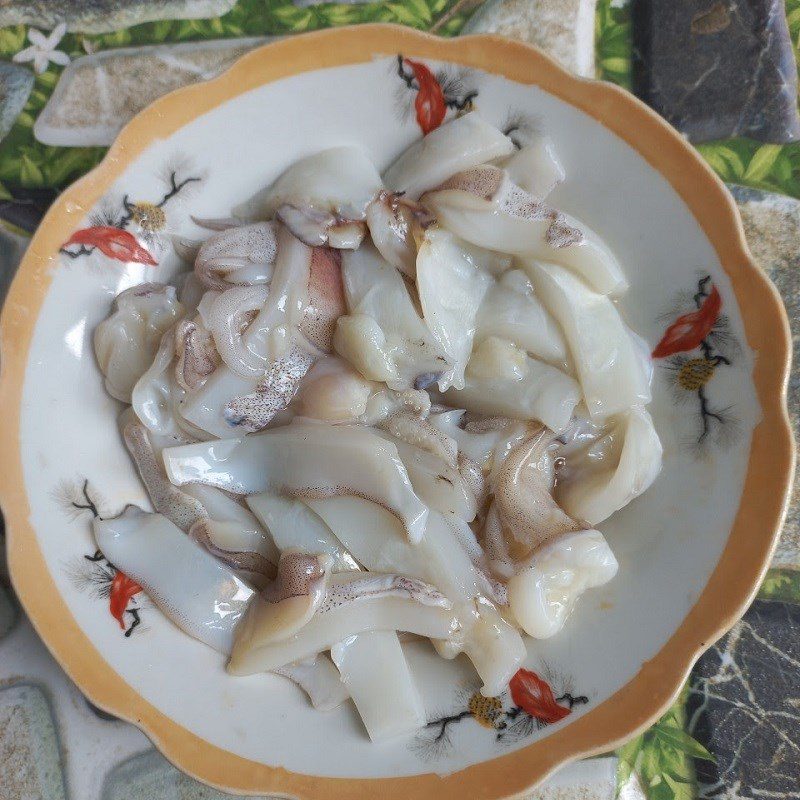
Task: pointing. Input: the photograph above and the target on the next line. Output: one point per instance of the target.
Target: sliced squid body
(510, 310)
(535, 167)
(451, 287)
(240, 255)
(374, 669)
(305, 460)
(126, 342)
(334, 392)
(156, 396)
(156, 554)
(383, 336)
(354, 603)
(613, 370)
(392, 226)
(494, 647)
(232, 527)
(542, 595)
(501, 380)
(480, 447)
(376, 539)
(612, 471)
(250, 370)
(338, 183)
(438, 484)
(486, 208)
(286, 604)
(293, 524)
(319, 679)
(460, 144)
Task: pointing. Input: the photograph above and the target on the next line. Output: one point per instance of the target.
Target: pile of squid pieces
(380, 408)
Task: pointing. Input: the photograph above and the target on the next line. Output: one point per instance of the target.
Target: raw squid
(126, 343)
(510, 310)
(423, 400)
(384, 337)
(613, 372)
(502, 380)
(156, 395)
(152, 551)
(535, 167)
(334, 392)
(319, 679)
(436, 483)
(460, 144)
(543, 595)
(478, 446)
(320, 197)
(486, 208)
(305, 460)
(548, 558)
(394, 224)
(242, 255)
(613, 470)
(451, 288)
(293, 525)
(196, 354)
(164, 561)
(354, 603)
(375, 671)
(493, 645)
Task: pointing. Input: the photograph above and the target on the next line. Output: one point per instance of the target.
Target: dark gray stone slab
(744, 706)
(12, 248)
(15, 87)
(718, 68)
(101, 16)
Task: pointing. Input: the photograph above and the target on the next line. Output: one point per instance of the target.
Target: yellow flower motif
(695, 374)
(485, 710)
(148, 216)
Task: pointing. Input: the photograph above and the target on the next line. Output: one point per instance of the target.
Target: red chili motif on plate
(689, 330)
(123, 589)
(429, 104)
(112, 242)
(534, 695)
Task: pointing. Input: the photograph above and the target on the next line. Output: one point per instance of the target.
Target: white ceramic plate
(652, 209)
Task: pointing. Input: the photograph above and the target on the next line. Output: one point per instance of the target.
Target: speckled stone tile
(90, 744)
(149, 776)
(15, 87)
(96, 95)
(562, 28)
(744, 706)
(101, 16)
(718, 68)
(592, 779)
(772, 227)
(29, 755)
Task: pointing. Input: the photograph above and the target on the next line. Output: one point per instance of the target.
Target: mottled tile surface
(718, 68)
(99, 16)
(97, 95)
(772, 227)
(562, 28)
(744, 705)
(15, 87)
(29, 756)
